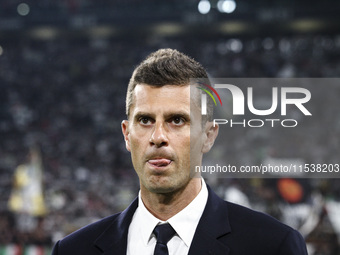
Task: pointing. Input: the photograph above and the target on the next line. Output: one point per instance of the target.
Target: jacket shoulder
(253, 219)
(103, 235)
(82, 241)
(258, 229)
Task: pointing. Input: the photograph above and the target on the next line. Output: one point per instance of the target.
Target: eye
(144, 121)
(178, 121)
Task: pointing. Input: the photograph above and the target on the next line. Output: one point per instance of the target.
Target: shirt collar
(184, 222)
(147, 221)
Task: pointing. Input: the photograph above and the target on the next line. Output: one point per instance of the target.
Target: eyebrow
(182, 114)
(142, 114)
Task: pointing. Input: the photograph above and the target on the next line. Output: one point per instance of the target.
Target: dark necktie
(163, 234)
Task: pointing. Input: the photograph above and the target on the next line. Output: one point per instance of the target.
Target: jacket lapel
(213, 225)
(114, 239)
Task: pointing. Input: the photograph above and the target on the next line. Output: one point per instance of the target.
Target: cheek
(135, 143)
(136, 154)
(186, 150)
(181, 141)
(196, 139)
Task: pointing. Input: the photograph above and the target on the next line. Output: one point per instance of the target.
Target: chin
(161, 190)
(164, 186)
(161, 187)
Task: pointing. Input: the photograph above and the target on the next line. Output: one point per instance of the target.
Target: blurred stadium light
(261, 16)
(226, 6)
(204, 6)
(23, 9)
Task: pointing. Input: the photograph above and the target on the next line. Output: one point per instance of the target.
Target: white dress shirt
(142, 241)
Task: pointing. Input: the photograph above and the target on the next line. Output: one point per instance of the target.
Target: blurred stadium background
(64, 68)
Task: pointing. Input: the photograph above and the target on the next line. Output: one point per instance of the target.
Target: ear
(211, 132)
(125, 130)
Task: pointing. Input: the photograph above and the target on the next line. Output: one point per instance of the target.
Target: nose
(159, 137)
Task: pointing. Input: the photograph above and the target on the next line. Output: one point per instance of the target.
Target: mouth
(159, 163)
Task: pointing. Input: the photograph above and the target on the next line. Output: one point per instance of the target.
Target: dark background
(64, 68)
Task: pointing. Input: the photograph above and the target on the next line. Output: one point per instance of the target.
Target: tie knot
(164, 233)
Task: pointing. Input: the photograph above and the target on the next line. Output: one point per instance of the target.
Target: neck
(165, 205)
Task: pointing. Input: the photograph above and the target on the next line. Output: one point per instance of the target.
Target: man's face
(158, 136)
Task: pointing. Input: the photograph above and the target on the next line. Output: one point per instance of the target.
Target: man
(166, 137)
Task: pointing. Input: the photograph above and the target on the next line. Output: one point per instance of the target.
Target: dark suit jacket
(224, 229)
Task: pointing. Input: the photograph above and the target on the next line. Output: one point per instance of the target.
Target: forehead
(166, 98)
(149, 96)
(176, 91)
(143, 91)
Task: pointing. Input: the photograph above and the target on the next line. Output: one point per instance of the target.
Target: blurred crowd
(67, 96)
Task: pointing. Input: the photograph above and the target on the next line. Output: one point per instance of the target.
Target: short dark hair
(164, 67)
